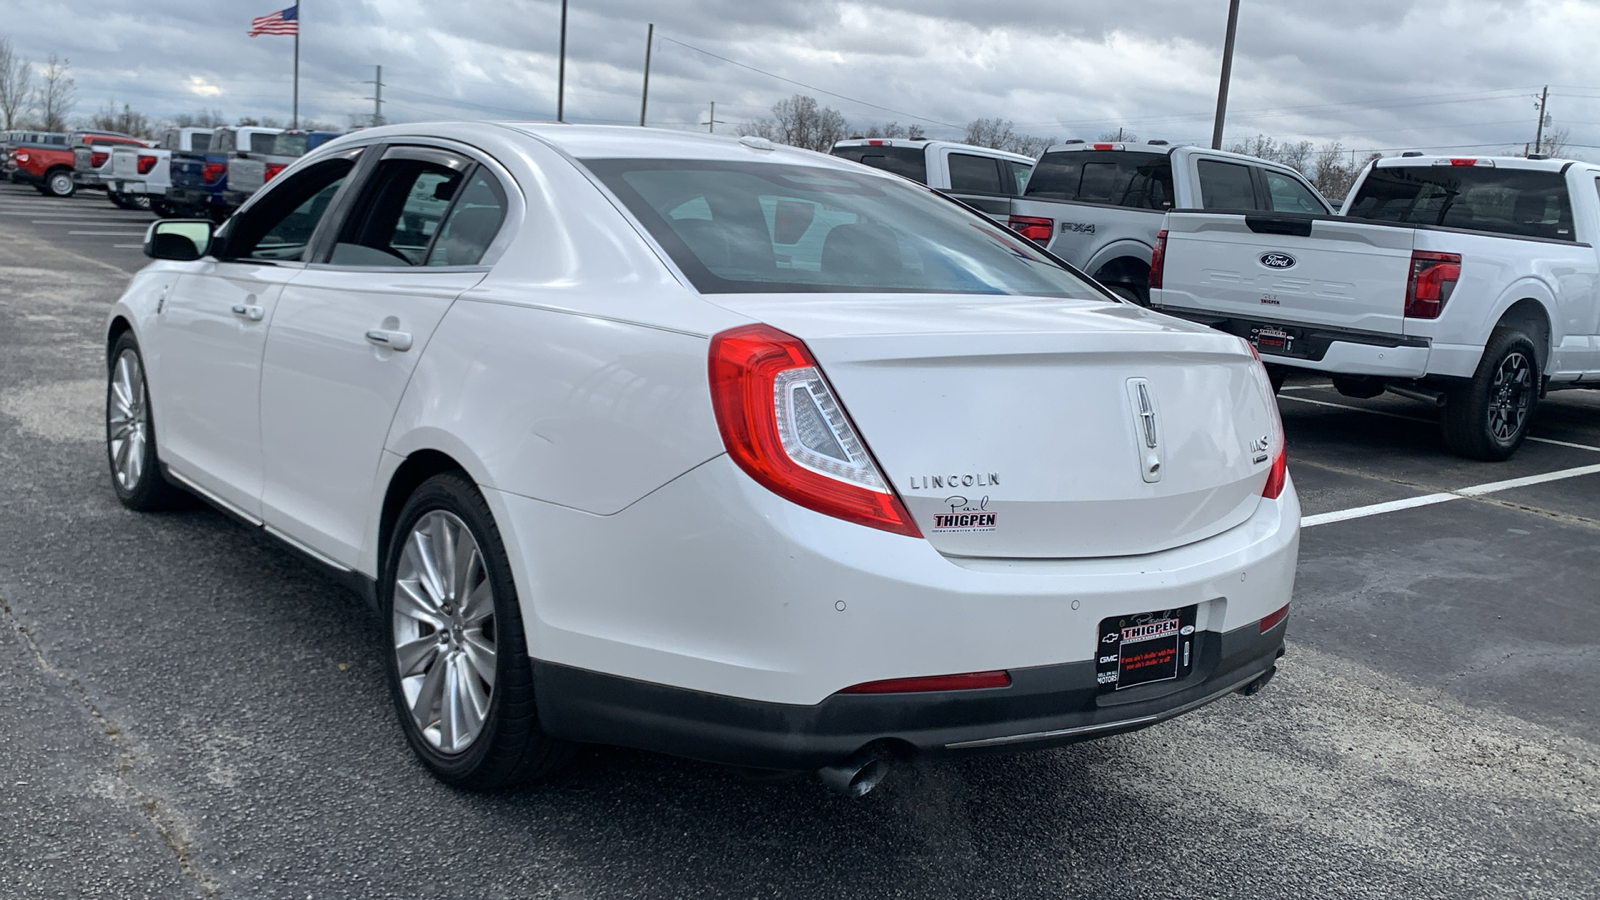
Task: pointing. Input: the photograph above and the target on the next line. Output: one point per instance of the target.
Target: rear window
(198, 142)
(1504, 201)
(1114, 177)
(292, 144)
(907, 162)
(761, 228)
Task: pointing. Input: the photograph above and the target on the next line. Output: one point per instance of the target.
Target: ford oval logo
(1277, 260)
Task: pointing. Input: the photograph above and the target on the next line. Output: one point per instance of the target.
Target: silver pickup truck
(1099, 206)
(255, 157)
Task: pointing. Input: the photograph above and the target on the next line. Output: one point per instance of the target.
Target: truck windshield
(907, 162)
(1115, 177)
(765, 227)
(1517, 202)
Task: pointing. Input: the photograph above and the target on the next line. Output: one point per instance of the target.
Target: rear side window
(1017, 176)
(1114, 177)
(975, 173)
(1226, 185)
(1504, 201)
(472, 224)
(907, 162)
(1289, 195)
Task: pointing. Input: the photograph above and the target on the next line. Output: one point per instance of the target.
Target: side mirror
(178, 239)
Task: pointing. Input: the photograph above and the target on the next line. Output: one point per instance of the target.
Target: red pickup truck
(48, 167)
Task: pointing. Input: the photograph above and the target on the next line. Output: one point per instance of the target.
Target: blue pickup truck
(199, 179)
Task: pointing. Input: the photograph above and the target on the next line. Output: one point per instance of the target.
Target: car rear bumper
(1044, 706)
(194, 198)
(1323, 348)
(23, 176)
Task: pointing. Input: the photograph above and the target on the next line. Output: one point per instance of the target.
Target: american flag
(284, 21)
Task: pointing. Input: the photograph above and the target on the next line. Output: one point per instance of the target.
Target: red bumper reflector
(967, 682)
(1274, 620)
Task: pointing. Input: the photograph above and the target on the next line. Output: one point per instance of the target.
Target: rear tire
(1488, 418)
(456, 654)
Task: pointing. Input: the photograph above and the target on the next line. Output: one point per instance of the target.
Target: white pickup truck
(138, 177)
(1473, 283)
(981, 177)
(1099, 206)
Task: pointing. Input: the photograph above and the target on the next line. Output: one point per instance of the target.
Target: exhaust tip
(1254, 687)
(857, 774)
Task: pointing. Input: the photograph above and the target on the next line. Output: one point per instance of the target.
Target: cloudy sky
(1456, 75)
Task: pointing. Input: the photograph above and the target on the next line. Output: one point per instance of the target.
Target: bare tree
(1555, 141)
(1001, 134)
(16, 85)
(800, 122)
(1334, 171)
(205, 118)
(896, 130)
(126, 121)
(56, 94)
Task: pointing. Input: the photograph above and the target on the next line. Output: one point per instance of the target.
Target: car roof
(1501, 162)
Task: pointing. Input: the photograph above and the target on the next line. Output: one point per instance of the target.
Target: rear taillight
(1278, 475)
(1433, 280)
(783, 425)
(1033, 228)
(966, 682)
(146, 163)
(272, 170)
(1273, 620)
(21, 157)
(1158, 260)
(98, 158)
(211, 173)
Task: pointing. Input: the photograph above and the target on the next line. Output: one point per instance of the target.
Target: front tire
(1489, 417)
(130, 433)
(59, 183)
(454, 647)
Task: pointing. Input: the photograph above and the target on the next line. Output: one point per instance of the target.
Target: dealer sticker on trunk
(964, 516)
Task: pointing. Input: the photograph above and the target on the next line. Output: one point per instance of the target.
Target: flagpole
(294, 121)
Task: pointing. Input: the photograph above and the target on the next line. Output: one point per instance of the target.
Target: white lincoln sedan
(711, 447)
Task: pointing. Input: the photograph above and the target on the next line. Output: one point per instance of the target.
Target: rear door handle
(394, 340)
(253, 313)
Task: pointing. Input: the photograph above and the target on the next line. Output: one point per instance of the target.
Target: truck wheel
(1488, 417)
(58, 183)
(163, 209)
(1131, 293)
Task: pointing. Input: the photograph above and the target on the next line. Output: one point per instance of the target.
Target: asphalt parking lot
(191, 712)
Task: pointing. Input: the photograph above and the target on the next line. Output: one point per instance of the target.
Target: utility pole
(377, 95)
(644, 101)
(561, 72)
(1227, 72)
(294, 117)
(713, 122)
(1538, 139)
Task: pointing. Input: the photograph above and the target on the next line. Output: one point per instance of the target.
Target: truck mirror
(178, 239)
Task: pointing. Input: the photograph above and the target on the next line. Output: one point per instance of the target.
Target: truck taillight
(212, 172)
(783, 425)
(272, 170)
(1158, 260)
(1433, 280)
(146, 163)
(21, 157)
(98, 158)
(1033, 228)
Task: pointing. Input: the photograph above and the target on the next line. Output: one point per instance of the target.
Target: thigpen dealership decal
(964, 516)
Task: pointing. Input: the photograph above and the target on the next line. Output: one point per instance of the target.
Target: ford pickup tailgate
(1286, 268)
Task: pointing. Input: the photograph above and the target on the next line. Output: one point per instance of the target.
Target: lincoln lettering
(971, 479)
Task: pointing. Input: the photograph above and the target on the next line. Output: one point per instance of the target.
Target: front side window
(1289, 195)
(394, 220)
(1523, 202)
(764, 227)
(1225, 185)
(279, 226)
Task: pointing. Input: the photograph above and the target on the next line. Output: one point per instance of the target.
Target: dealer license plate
(1274, 340)
(1145, 648)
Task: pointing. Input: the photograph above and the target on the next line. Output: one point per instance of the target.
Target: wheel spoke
(415, 656)
(464, 557)
(478, 605)
(412, 601)
(429, 696)
(481, 653)
(450, 712)
(135, 457)
(443, 553)
(476, 707)
(422, 559)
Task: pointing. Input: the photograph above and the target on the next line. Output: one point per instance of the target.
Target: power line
(808, 87)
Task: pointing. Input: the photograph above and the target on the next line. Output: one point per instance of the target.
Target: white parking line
(1394, 415)
(82, 222)
(110, 233)
(128, 246)
(1477, 490)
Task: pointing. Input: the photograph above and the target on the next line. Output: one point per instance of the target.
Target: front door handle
(394, 340)
(253, 313)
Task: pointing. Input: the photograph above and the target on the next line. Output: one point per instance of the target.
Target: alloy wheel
(127, 421)
(1510, 395)
(443, 628)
